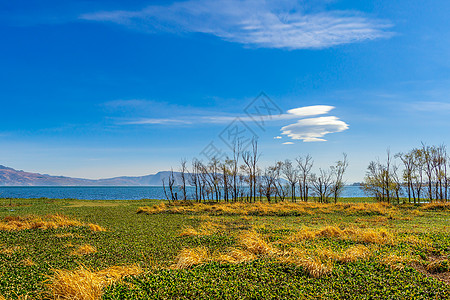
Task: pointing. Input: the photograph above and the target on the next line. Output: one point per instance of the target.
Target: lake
(112, 193)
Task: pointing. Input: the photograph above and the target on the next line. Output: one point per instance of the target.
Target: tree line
(240, 178)
(414, 176)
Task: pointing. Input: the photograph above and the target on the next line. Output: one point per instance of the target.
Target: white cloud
(305, 111)
(251, 22)
(306, 129)
(313, 129)
(310, 110)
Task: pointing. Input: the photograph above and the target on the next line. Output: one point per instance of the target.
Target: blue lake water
(112, 193)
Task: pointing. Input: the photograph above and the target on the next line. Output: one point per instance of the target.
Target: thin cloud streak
(296, 113)
(252, 23)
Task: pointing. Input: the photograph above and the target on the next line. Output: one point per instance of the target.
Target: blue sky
(107, 88)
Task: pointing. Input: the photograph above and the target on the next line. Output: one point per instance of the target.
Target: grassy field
(72, 249)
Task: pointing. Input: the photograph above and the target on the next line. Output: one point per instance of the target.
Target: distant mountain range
(12, 177)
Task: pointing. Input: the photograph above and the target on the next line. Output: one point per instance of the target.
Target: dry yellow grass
(44, 222)
(268, 209)
(189, 231)
(64, 235)
(394, 261)
(208, 228)
(95, 227)
(374, 236)
(436, 206)
(327, 254)
(155, 209)
(85, 284)
(189, 257)
(33, 222)
(235, 256)
(315, 267)
(355, 253)
(84, 250)
(254, 243)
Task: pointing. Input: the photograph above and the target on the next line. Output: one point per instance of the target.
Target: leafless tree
(183, 171)
(381, 180)
(171, 180)
(291, 174)
(268, 182)
(322, 185)
(305, 165)
(338, 171)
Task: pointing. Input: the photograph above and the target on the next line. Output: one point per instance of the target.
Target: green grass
(153, 242)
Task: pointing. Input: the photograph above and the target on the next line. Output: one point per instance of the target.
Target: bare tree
(322, 185)
(291, 174)
(268, 182)
(183, 171)
(380, 180)
(305, 165)
(234, 169)
(194, 179)
(171, 183)
(408, 171)
(338, 171)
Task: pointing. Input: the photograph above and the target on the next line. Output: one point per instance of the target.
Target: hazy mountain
(12, 177)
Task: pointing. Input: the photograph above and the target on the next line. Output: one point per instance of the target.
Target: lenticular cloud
(314, 129)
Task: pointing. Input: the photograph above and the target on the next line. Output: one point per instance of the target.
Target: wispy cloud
(296, 113)
(251, 22)
(314, 129)
(431, 106)
(306, 128)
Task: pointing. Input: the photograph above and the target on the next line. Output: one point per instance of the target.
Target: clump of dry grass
(33, 222)
(379, 236)
(85, 284)
(394, 261)
(189, 231)
(155, 209)
(84, 250)
(189, 257)
(355, 253)
(235, 256)
(254, 243)
(316, 268)
(208, 228)
(44, 222)
(267, 209)
(436, 206)
(327, 254)
(95, 227)
(64, 235)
